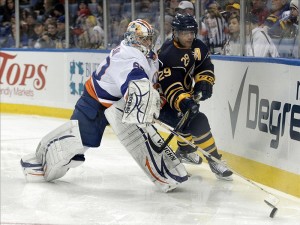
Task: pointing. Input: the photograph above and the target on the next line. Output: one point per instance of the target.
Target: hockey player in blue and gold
(186, 75)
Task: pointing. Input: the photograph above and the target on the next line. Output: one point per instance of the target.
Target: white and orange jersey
(110, 81)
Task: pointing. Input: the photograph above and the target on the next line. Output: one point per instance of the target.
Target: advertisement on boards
(30, 79)
(79, 67)
(54, 79)
(255, 112)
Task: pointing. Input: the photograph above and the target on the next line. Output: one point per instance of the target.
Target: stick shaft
(181, 124)
(212, 157)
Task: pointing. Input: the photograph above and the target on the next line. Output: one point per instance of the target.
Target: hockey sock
(207, 143)
(183, 145)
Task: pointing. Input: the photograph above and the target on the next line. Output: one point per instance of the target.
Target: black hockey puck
(273, 212)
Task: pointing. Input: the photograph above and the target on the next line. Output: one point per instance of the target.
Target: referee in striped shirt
(217, 28)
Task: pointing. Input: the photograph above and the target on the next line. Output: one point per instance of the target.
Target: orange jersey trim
(90, 89)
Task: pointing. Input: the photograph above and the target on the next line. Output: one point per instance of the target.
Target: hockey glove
(151, 55)
(204, 85)
(189, 104)
(205, 88)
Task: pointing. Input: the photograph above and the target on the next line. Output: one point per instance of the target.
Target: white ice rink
(110, 189)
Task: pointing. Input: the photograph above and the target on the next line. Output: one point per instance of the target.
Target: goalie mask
(140, 34)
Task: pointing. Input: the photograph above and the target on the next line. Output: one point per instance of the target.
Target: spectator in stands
(292, 22)
(49, 38)
(82, 13)
(259, 43)
(48, 20)
(99, 36)
(288, 43)
(186, 7)
(233, 44)
(38, 7)
(30, 21)
(80, 24)
(230, 9)
(58, 10)
(91, 38)
(233, 9)
(171, 7)
(10, 41)
(48, 8)
(38, 30)
(168, 32)
(82, 7)
(295, 20)
(61, 33)
(259, 8)
(217, 28)
(230, 2)
(275, 20)
(8, 12)
(96, 9)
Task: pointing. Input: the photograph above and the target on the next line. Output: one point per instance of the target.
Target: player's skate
(220, 170)
(188, 157)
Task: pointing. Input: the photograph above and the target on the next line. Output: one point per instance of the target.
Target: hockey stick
(271, 200)
(178, 127)
(181, 123)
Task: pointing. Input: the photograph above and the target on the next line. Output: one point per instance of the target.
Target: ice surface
(110, 189)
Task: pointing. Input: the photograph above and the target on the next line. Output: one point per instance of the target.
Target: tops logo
(21, 74)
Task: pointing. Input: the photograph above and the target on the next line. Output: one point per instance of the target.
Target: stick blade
(273, 212)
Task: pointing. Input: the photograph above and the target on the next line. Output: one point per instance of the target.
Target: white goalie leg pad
(162, 167)
(56, 150)
(54, 153)
(142, 104)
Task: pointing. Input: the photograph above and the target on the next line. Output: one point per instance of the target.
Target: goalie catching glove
(142, 103)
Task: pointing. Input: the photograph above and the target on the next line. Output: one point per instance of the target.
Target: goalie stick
(270, 200)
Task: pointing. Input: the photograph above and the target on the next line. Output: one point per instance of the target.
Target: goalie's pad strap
(142, 104)
(162, 167)
(57, 148)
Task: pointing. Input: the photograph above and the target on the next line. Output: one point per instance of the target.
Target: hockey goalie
(119, 93)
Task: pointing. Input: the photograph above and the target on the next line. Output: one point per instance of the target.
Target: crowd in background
(271, 25)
